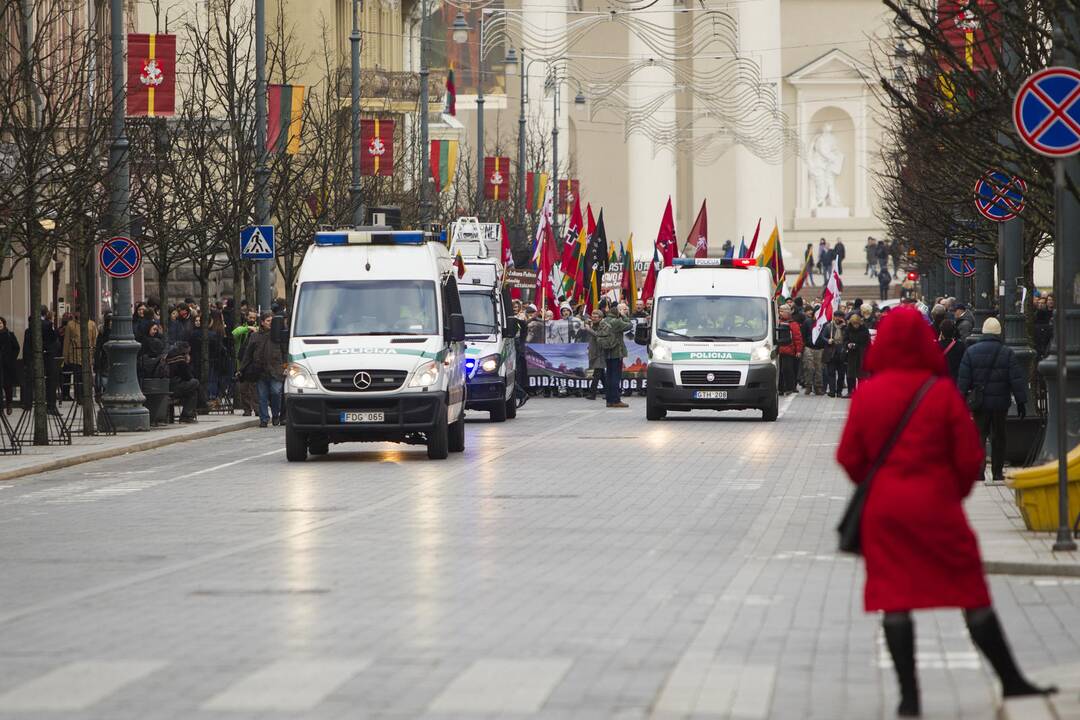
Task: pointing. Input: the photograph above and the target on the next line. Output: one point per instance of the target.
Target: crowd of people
(245, 369)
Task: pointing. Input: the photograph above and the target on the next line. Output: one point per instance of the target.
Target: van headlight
(762, 353)
(661, 353)
(488, 364)
(300, 378)
(426, 375)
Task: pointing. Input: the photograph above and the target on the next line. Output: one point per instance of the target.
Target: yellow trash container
(1037, 492)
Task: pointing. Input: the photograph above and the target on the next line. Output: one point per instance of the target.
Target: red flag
(590, 227)
(569, 193)
(697, 242)
(377, 143)
(569, 260)
(451, 92)
(753, 243)
(972, 30)
(545, 291)
(496, 178)
(151, 75)
(663, 252)
(507, 258)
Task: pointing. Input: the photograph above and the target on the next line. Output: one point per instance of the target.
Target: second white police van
(713, 339)
(376, 349)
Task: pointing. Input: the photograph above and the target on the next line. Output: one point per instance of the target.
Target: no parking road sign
(960, 260)
(1047, 112)
(120, 257)
(999, 196)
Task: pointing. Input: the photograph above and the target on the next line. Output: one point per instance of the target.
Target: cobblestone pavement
(577, 562)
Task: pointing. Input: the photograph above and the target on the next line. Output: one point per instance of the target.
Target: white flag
(830, 300)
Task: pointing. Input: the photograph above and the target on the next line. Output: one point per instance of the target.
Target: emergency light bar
(715, 262)
(375, 237)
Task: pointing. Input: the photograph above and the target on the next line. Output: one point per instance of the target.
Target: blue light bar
(374, 237)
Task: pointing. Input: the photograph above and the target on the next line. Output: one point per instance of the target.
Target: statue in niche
(825, 161)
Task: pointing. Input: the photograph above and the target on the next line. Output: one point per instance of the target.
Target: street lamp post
(262, 173)
(521, 137)
(355, 198)
(555, 154)
(122, 400)
(425, 150)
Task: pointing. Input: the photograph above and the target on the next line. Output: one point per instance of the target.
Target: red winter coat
(920, 551)
(796, 346)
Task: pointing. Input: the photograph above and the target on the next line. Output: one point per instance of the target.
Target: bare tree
(54, 126)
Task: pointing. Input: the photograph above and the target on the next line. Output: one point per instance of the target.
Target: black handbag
(850, 527)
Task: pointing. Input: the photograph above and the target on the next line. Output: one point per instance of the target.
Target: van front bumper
(759, 390)
(404, 415)
(484, 391)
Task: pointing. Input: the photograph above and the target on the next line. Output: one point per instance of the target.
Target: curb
(124, 450)
(1033, 569)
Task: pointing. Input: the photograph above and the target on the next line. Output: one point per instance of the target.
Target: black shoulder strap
(899, 429)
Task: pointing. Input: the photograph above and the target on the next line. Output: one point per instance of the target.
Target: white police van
(713, 339)
(490, 330)
(376, 348)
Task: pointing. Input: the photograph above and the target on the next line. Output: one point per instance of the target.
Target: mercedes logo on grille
(362, 380)
(711, 377)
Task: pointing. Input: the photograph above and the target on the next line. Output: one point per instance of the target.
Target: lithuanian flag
(443, 162)
(535, 187)
(285, 118)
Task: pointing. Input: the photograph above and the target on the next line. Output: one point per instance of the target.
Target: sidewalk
(36, 459)
(1008, 547)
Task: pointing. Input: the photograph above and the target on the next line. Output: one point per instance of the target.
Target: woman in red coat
(920, 551)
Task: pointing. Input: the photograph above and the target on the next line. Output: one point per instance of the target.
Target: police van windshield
(366, 307)
(479, 312)
(712, 318)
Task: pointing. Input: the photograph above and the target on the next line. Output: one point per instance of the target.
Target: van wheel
(511, 407)
(456, 440)
(770, 412)
(318, 445)
(498, 411)
(295, 444)
(654, 410)
(438, 439)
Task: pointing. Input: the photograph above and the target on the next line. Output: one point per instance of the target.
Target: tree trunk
(35, 351)
(163, 298)
(204, 339)
(83, 264)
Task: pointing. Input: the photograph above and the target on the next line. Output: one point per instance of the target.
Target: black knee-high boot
(900, 637)
(987, 634)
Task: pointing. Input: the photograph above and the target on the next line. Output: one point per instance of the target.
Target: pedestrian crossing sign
(257, 242)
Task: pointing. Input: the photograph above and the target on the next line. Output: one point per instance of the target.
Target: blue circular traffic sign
(1046, 112)
(119, 257)
(999, 196)
(961, 266)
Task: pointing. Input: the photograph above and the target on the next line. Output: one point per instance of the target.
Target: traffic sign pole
(122, 399)
(1044, 115)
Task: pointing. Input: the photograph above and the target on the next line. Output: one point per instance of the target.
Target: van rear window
(366, 307)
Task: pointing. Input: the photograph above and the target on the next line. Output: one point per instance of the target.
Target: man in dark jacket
(610, 338)
(183, 385)
(857, 342)
(264, 361)
(965, 321)
(990, 369)
(813, 363)
(839, 252)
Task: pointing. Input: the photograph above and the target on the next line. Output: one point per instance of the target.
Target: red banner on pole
(972, 29)
(151, 75)
(497, 178)
(377, 147)
(569, 190)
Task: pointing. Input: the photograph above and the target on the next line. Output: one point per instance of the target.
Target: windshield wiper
(674, 332)
(722, 337)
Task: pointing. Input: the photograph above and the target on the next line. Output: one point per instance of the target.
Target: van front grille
(347, 380)
(710, 377)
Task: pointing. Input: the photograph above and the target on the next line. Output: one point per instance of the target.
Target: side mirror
(279, 329)
(641, 333)
(457, 327)
(783, 335)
